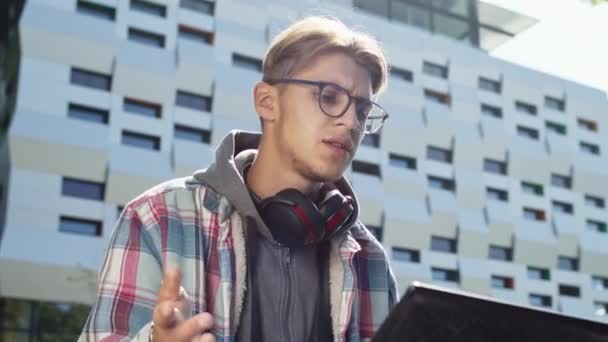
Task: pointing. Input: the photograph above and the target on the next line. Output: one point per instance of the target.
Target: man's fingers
(170, 287)
(164, 314)
(207, 337)
(193, 327)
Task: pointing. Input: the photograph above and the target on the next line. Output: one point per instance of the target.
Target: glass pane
(88, 114)
(200, 6)
(82, 189)
(451, 27)
(378, 7)
(419, 17)
(17, 313)
(453, 6)
(140, 140)
(61, 321)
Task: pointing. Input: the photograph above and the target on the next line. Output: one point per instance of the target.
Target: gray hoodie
(287, 296)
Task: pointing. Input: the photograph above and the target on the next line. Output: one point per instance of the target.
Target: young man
(264, 244)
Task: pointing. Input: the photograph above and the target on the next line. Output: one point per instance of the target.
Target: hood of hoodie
(237, 150)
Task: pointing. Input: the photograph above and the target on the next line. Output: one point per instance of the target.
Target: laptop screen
(432, 314)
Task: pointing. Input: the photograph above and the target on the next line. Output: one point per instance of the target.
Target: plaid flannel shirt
(186, 224)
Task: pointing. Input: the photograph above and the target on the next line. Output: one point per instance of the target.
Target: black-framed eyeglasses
(334, 101)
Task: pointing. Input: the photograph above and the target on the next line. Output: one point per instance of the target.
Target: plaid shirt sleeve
(128, 282)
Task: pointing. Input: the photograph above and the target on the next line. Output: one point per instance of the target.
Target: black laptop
(428, 313)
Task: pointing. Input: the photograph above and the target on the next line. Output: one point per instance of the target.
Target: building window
(441, 244)
(441, 183)
(495, 166)
(441, 274)
(377, 231)
(491, 111)
(86, 113)
(525, 108)
(489, 85)
(195, 35)
(140, 140)
(497, 194)
(556, 128)
(146, 38)
(588, 125)
(201, 6)
(435, 70)
(596, 226)
(500, 282)
(534, 214)
(246, 62)
(79, 226)
(561, 181)
(371, 140)
(599, 283)
(532, 188)
(82, 189)
(366, 168)
(590, 148)
(562, 207)
(527, 132)
(90, 79)
(405, 254)
(149, 8)
(569, 291)
(193, 101)
(96, 10)
(143, 108)
(192, 134)
(554, 103)
(538, 273)
(437, 97)
(600, 308)
(500, 253)
(401, 74)
(567, 263)
(26, 320)
(402, 161)
(595, 201)
(439, 154)
(540, 300)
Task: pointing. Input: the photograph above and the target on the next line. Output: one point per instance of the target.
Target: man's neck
(266, 177)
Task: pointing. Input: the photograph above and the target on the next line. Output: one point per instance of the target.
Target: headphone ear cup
(333, 200)
(292, 217)
(336, 210)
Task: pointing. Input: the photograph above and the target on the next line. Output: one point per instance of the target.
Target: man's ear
(265, 100)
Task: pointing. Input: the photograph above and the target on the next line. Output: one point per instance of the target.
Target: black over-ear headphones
(294, 220)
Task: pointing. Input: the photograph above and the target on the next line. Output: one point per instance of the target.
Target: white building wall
(45, 145)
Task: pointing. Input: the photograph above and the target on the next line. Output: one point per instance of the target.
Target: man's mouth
(343, 145)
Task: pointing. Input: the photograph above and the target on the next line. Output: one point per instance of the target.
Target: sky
(569, 41)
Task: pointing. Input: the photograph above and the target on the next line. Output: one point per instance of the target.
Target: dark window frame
(90, 79)
(497, 194)
(195, 34)
(147, 38)
(438, 97)
(82, 189)
(199, 6)
(500, 253)
(402, 161)
(555, 103)
(446, 184)
(494, 166)
(66, 219)
(526, 108)
(490, 85)
(366, 168)
(401, 74)
(443, 244)
(203, 134)
(528, 132)
(435, 70)
(410, 255)
(491, 111)
(88, 113)
(246, 62)
(147, 7)
(155, 140)
(538, 273)
(193, 101)
(96, 10)
(139, 107)
(439, 154)
(566, 263)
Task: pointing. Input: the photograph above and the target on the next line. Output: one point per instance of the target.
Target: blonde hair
(300, 43)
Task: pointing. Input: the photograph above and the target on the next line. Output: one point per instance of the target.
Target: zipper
(287, 294)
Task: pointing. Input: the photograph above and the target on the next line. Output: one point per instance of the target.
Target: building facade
(488, 176)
